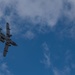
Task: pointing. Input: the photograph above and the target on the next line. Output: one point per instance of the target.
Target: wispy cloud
(68, 66)
(46, 58)
(29, 35)
(65, 71)
(73, 65)
(4, 70)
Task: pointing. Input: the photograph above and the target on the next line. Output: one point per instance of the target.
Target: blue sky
(45, 33)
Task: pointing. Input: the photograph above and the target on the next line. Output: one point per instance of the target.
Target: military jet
(6, 39)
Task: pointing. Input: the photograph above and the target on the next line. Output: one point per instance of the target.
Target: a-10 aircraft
(6, 39)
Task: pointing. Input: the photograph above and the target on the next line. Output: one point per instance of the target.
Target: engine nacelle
(9, 45)
(9, 35)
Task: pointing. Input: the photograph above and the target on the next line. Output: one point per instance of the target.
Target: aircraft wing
(5, 50)
(7, 30)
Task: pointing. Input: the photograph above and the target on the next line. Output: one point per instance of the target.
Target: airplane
(6, 39)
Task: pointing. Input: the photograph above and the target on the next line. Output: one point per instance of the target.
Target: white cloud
(46, 12)
(69, 10)
(46, 59)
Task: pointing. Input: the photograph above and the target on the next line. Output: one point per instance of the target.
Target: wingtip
(4, 55)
